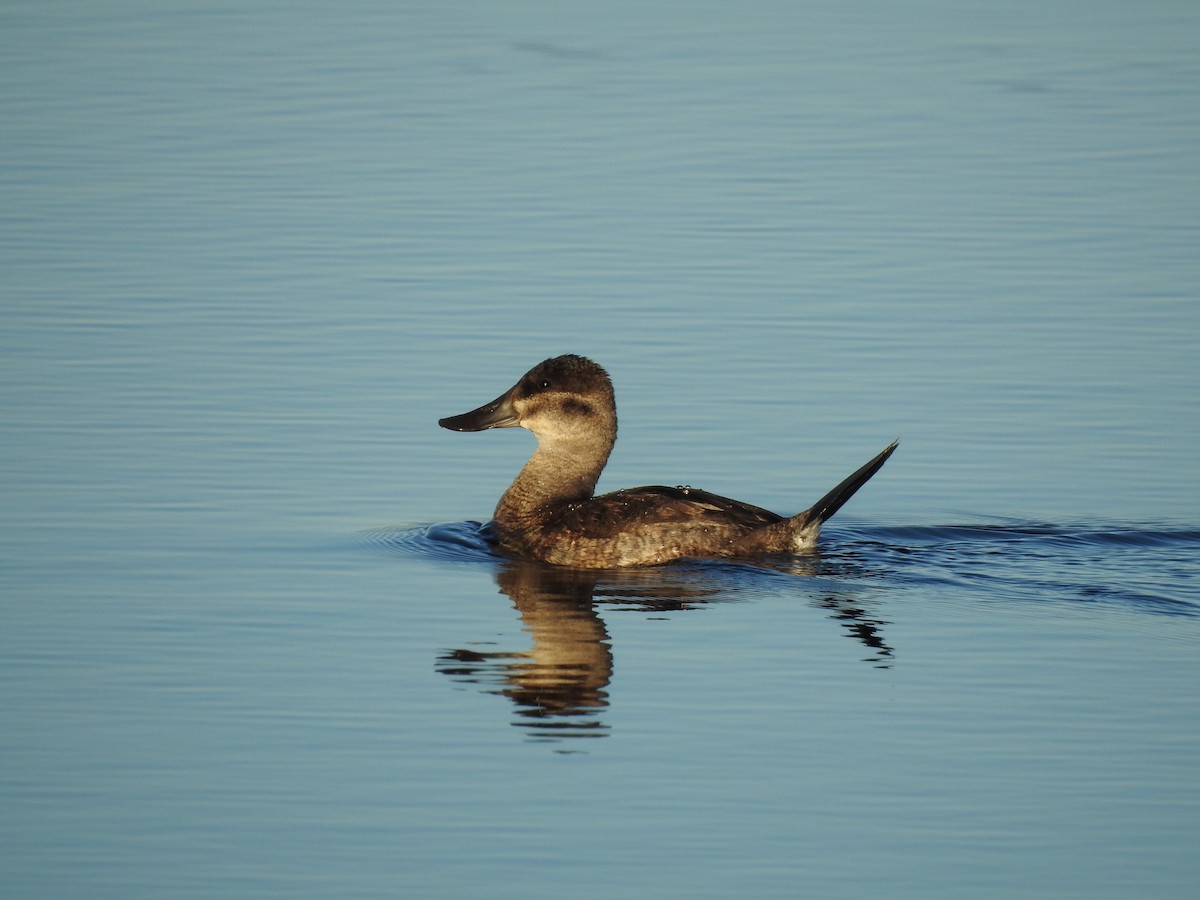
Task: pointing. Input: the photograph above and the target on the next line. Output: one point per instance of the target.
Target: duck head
(564, 399)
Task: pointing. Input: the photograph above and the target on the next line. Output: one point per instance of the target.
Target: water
(254, 642)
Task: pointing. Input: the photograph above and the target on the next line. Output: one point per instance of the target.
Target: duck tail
(806, 526)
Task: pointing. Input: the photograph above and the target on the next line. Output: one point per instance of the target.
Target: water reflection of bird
(560, 684)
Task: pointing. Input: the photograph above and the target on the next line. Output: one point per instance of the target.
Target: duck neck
(553, 476)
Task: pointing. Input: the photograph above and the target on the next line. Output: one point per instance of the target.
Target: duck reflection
(862, 627)
(559, 686)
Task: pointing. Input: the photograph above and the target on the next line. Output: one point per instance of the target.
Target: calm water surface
(254, 642)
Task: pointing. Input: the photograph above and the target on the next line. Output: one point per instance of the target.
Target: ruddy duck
(549, 513)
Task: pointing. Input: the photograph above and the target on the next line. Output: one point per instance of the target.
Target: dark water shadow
(1140, 569)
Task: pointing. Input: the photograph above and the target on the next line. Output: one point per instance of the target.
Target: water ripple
(1148, 568)
(450, 541)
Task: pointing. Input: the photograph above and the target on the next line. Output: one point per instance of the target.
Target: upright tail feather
(836, 499)
(799, 533)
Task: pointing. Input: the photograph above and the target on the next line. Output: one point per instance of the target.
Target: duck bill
(500, 413)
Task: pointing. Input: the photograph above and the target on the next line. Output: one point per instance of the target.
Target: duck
(551, 513)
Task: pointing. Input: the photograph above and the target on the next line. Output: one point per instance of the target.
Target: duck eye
(543, 384)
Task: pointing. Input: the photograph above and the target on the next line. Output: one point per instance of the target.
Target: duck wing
(661, 504)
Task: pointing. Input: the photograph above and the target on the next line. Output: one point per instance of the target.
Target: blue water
(253, 640)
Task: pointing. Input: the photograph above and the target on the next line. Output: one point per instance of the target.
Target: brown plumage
(550, 513)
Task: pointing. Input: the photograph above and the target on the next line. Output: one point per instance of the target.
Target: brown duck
(551, 514)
